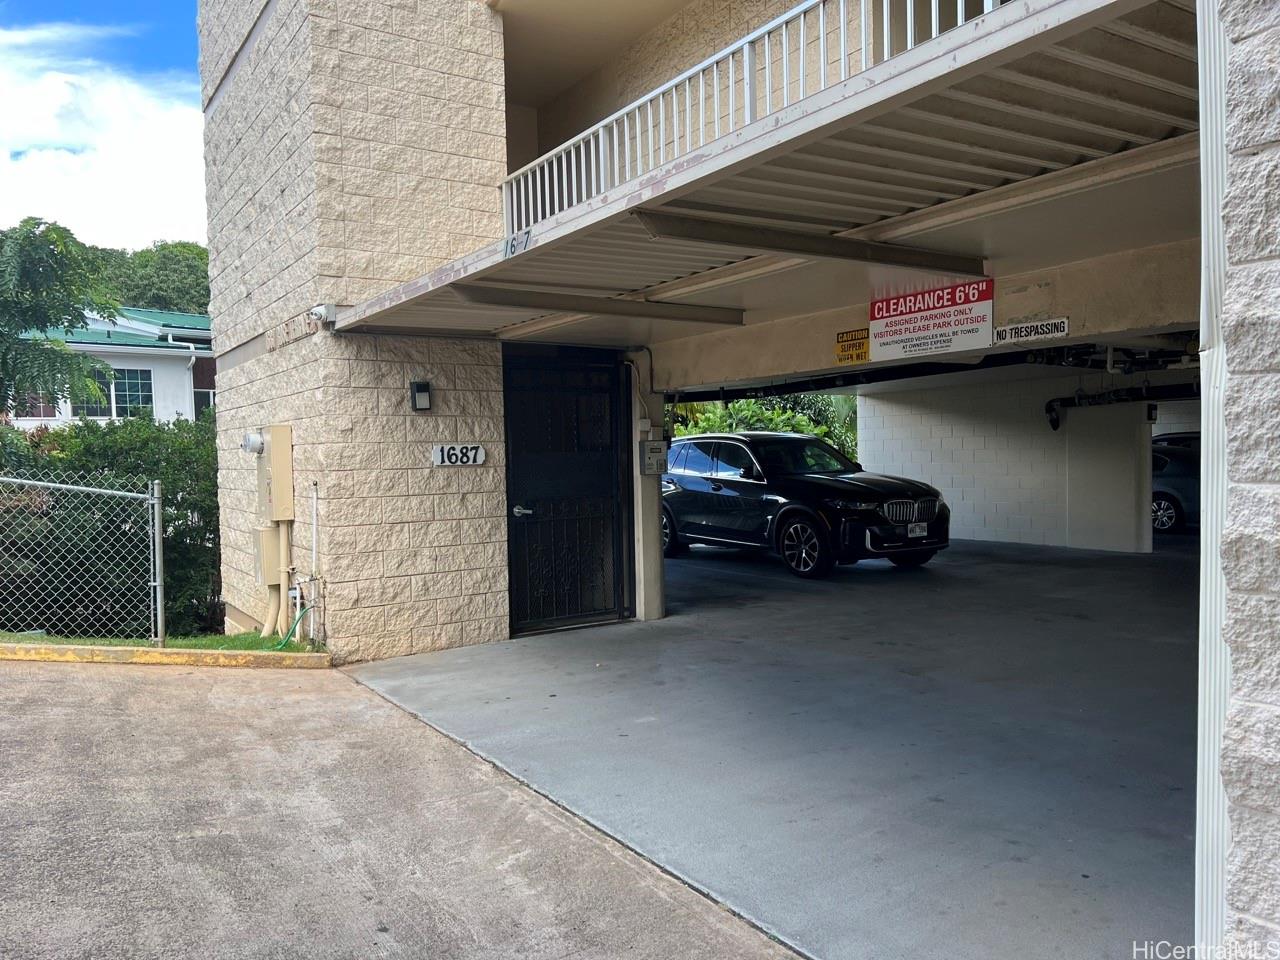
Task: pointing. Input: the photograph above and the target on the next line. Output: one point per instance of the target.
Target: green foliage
(164, 276)
(747, 415)
(183, 456)
(48, 281)
(834, 418)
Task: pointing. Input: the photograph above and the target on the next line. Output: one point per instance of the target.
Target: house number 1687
(457, 455)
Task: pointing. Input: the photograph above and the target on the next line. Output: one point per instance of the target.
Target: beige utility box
(275, 473)
(266, 557)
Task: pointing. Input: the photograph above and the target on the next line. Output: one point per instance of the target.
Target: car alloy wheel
(800, 546)
(1164, 514)
(666, 532)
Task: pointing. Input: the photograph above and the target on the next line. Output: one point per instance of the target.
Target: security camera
(253, 443)
(319, 313)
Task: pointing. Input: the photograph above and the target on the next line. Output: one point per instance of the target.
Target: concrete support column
(647, 495)
(1243, 382)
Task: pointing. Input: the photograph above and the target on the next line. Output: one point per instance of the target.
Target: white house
(163, 361)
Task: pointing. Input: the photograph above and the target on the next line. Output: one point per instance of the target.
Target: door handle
(520, 511)
(716, 487)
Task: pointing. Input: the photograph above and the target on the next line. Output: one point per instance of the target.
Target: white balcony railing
(804, 51)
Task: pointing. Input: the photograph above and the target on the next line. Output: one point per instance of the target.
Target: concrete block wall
(413, 557)
(350, 147)
(989, 448)
(1251, 540)
(410, 123)
(260, 178)
(1177, 416)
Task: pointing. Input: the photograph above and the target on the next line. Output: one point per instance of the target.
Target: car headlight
(852, 505)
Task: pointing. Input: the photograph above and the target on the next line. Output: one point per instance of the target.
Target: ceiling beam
(1055, 89)
(668, 226)
(999, 131)
(520, 298)
(1046, 116)
(1120, 71)
(1149, 38)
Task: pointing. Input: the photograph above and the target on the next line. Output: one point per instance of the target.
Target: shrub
(183, 456)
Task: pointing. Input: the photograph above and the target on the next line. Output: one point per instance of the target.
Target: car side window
(733, 462)
(675, 456)
(698, 461)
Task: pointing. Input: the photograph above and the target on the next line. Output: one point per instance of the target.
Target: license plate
(917, 530)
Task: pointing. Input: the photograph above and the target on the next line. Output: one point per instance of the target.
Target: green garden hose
(284, 641)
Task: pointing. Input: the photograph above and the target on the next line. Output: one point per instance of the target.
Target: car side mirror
(753, 473)
(857, 467)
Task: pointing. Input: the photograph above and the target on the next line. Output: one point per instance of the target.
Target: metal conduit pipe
(1174, 391)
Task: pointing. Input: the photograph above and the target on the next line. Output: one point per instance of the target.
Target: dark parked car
(798, 497)
(1187, 439)
(1175, 488)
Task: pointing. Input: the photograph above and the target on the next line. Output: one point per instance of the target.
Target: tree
(167, 276)
(163, 276)
(49, 280)
(834, 418)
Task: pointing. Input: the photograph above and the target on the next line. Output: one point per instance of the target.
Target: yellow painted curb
(168, 656)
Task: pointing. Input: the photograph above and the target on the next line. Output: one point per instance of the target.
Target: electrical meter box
(653, 458)
(275, 473)
(266, 556)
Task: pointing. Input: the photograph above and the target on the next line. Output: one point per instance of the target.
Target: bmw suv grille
(911, 511)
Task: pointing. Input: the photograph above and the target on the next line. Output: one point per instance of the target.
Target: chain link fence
(81, 556)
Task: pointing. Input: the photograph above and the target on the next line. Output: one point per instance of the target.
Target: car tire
(909, 561)
(804, 547)
(1166, 514)
(671, 545)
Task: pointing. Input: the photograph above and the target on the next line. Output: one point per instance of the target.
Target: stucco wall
(1251, 542)
(170, 386)
(351, 147)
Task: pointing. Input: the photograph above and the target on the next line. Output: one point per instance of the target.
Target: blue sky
(164, 31)
(100, 122)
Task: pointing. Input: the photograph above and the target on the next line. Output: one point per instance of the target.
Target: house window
(128, 395)
(204, 400)
(132, 392)
(38, 407)
(95, 408)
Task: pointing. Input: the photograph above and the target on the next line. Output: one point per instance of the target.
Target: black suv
(799, 497)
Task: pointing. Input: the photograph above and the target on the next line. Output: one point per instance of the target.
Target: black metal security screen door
(565, 476)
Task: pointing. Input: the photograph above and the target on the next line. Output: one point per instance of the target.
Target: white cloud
(116, 157)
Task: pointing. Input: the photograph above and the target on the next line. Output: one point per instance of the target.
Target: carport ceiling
(1047, 106)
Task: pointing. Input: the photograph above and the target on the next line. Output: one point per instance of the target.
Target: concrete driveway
(190, 813)
(990, 757)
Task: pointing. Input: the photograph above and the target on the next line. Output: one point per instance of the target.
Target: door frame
(533, 355)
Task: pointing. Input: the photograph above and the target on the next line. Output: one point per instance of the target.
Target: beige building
(559, 214)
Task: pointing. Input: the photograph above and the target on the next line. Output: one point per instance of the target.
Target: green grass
(208, 641)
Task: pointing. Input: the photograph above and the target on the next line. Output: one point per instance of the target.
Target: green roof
(166, 318)
(112, 338)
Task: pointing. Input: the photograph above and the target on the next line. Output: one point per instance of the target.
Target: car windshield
(786, 456)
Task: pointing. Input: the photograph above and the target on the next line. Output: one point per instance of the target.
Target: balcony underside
(1046, 131)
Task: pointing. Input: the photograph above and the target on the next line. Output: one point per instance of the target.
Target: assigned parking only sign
(946, 320)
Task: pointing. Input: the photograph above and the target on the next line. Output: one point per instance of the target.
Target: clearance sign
(946, 320)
